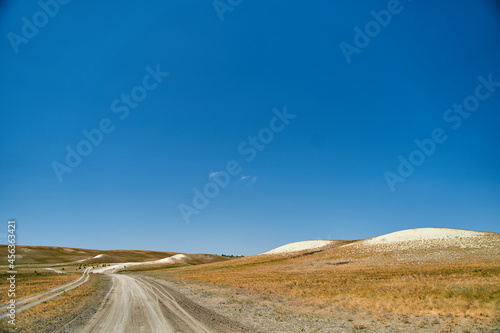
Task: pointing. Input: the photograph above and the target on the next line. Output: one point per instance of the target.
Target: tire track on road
(142, 304)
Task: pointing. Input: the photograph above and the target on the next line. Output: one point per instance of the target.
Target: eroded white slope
(175, 259)
(299, 246)
(422, 234)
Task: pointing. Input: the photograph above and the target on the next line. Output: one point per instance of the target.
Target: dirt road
(141, 304)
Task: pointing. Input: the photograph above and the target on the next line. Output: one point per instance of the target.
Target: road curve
(143, 305)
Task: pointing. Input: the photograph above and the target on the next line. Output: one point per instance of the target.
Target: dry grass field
(454, 283)
(456, 290)
(33, 282)
(76, 305)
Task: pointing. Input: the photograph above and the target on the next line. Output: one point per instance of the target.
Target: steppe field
(418, 280)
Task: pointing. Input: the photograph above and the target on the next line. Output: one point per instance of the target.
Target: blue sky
(323, 176)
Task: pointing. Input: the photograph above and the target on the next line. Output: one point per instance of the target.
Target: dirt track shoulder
(74, 322)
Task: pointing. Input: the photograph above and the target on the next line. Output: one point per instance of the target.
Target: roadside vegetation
(70, 308)
(338, 282)
(453, 290)
(31, 282)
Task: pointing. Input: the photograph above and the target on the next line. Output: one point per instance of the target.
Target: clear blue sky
(321, 177)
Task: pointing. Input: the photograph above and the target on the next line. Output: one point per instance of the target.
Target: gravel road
(142, 304)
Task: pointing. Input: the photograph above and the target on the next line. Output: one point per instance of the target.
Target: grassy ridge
(31, 282)
(46, 255)
(191, 260)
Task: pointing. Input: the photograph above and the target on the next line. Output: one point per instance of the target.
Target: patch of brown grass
(29, 283)
(453, 290)
(377, 282)
(55, 312)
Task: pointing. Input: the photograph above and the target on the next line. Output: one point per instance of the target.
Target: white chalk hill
(423, 234)
(300, 246)
(411, 238)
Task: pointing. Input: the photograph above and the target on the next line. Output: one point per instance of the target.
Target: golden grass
(375, 282)
(29, 283)
(62, 309)
(453, 290)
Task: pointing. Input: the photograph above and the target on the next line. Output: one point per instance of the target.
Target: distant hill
(53, 255)
(421, 244)
(431, 272)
